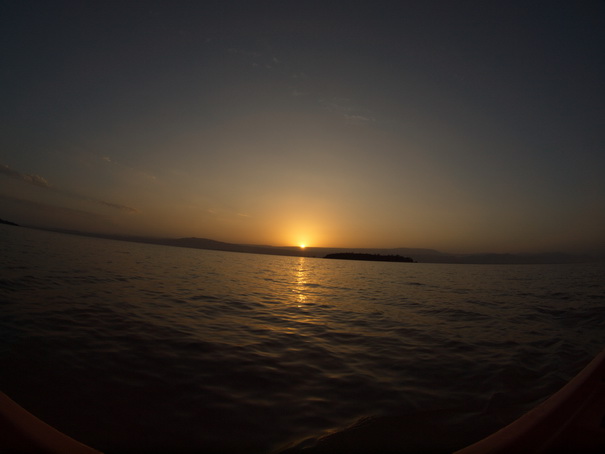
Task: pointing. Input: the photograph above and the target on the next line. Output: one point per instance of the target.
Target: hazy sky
(464, 126)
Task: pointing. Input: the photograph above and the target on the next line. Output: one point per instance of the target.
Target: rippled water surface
(142, 348)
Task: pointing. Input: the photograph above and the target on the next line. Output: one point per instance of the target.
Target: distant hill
(205, 243)
(2, 221)
(369, 257)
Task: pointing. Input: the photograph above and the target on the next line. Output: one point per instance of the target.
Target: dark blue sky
(463, 126)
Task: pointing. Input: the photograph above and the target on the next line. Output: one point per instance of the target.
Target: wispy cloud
(116, 206)
(132, 172)
(347, 110)
(30, 178)
(51, 209)
(358, 119)
(227, 213)
(41, 182)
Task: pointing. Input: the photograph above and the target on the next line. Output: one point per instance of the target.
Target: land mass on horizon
(419, 255)
(369, 257)
(2, 221)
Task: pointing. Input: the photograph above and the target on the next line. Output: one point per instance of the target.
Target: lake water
(142, 348)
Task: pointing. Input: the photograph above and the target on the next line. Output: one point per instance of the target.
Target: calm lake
(143, 348)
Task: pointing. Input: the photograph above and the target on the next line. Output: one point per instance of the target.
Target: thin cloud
(30, 178)
(53, 209)
(227, 213)
(41, 182)
(347, 110)
(115, 206)
(124, 168)
(358, 119)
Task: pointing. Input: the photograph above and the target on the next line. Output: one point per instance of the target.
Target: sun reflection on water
(301, 277)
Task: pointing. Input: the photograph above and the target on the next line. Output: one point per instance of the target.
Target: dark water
(142, 348)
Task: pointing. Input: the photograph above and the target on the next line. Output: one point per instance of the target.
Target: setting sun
(302, 246)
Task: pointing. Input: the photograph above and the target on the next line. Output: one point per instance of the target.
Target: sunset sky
(470, 126)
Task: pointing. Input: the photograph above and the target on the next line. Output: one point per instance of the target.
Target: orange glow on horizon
(301, 232)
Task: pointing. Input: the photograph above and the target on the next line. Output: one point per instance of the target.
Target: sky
(467, 126)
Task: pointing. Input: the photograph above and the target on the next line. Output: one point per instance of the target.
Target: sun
(302, 246)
